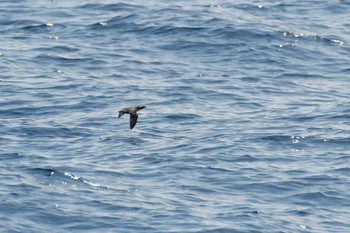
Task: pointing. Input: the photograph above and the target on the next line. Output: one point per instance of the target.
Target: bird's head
(139, 107)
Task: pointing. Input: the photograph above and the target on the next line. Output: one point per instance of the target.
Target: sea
(246, 127)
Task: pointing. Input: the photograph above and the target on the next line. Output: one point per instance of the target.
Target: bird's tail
(121, 113)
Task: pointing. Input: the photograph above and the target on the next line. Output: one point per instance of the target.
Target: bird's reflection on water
(134, 141)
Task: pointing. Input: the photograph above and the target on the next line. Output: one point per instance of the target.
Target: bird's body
(133, 114)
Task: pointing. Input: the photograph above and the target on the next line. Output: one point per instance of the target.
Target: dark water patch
(319, 179)
(275, 187)
(155, 161)
(278, 138)
(43, 28)
(53, 132)
(318, 198)
(47, 110)
(61, 60)
(10, 102)
(250, 79)
(239, 35)
(124, 23)
(337, 141)
(67, 49)
(214, 149)
(58, 88)
(168, 30)
(134, 141)
(43, 171)
(27, 111)
(245, 158)
(247, 105)
(195, 47)
(19, 22)
(182, 117)
(219, 169)
(113, 7)
(343, 170)
(11, 156)
(301, 213)
(296, 173)
(303, 75)
(339, 117)
(197, 189)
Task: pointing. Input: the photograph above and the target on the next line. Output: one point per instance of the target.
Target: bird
(133, 114)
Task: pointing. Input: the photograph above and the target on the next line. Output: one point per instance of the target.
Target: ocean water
(246, 126)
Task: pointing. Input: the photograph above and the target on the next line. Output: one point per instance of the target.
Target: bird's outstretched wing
(133, 120)
(121, 113)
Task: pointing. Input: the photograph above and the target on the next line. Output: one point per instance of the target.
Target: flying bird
(133, 114)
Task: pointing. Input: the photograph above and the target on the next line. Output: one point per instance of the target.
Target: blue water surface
(246, 126)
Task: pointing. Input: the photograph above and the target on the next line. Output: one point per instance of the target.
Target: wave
(64, 177)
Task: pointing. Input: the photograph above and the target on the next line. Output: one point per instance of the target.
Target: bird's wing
(121, 113)
(133, 120)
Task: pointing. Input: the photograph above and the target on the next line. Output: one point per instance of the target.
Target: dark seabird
(133, 114)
